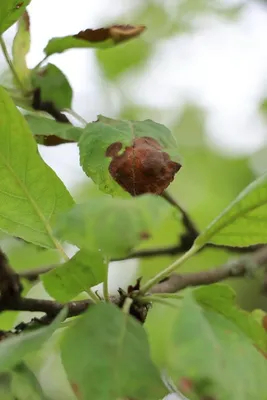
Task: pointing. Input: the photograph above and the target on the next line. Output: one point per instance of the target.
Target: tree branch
(191, 232)
(186, 240)
(232, 269)
(10, 286)
(49, 307)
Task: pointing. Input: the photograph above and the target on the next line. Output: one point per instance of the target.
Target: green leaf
(24, 384)
(99, 136)
(217, 295)
(111, 358)
(116, 61)
(222, 299)
(20, 48)
(13, 350)
(54, 86)
(84, 270)
(5, 386)
(90, 38)
(214, 354)
(159, 334)
(31, 194)
(6, 79)
(41, 126)
(115, 226)
(243, 222)
(10, 12)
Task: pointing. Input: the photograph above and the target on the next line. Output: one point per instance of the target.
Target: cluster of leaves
(209, 347)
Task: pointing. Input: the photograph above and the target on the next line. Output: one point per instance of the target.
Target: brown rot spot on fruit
(264, 322)
(76, 390)
(144, 235)
(143, 167)
(113, 149)
(185, 385)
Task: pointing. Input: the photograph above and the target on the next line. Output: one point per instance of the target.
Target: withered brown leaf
(118, 33)
(143, 167)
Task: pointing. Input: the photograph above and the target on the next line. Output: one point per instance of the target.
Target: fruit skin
(143, 167)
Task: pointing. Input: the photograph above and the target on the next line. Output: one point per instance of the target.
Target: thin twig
(191, 231)
(49, 307)
(232, 269)
(168, 270)
(77, 116)
(186, 242)
(40, 63)
(33, 274)
(155, 252)
(170, 251)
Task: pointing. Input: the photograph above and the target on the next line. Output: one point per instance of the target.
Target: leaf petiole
(76, 116)
(105, 283)
(40, 63)
(171, 268)
(127, 305)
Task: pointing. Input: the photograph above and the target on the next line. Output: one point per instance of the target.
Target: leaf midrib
(233, 218)
(118, 355)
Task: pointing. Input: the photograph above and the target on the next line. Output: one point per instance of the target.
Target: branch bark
(232, 269)
(10, 286)
(49, 307)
